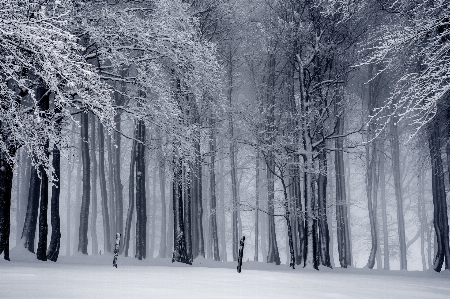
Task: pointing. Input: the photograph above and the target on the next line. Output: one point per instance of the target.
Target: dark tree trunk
(241, 254)
(85, 201)
(6, 179)
(29, 227)
(141, 210)
(131, 198)
(179, 240)
(273, 255)
(94, 189)
(103, 192)
(118, 187)
(112, 196)
(41, 252)
(187, 214)
(324, 234)
(342, 217)
(53, 249)
(439, 200)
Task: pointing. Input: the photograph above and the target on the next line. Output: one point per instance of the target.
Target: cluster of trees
(270, 98)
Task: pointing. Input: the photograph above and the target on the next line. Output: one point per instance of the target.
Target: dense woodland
(317, 129)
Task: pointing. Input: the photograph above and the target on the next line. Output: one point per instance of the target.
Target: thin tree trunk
(84, 213)
(212, 186)
(324, 234)
(257, 179)
(383, 206)
(6, 179)
(273, 255)
(422, 220)
(77, 207)
(112, 200)
(162, 191)
(398, 192)
(103, 192)
(131, 199)
(53, 249)
(118, 187)
(153, 239)
(94, 189)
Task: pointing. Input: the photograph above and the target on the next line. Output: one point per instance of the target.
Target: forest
(317, 129)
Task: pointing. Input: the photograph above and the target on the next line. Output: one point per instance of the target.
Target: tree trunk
(103, 192)
(342, 223)
(422, 217)
(29, 227)
(162, 191)
(84, 213)
(77, 207)
(118, 187)
(112, 200)
(53, 249)
(6, 179)
(94, 189)
(223, 234)
(371, 156)
(383, 206)
(212, 186)
(257, 179)
(24, 181)
(273, 255)
(439, 200)
(153, 239)
(324, 234)
(398, 191)
(131, 198)
(179, 251)
(187, 214)
(141, 211)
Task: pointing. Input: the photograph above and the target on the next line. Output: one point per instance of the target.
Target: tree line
(201, 97)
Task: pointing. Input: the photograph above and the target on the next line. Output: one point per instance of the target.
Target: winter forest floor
(94, 277)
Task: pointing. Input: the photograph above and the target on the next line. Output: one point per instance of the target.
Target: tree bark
(162, 191)
(212, 186)
(29, 228)
(141, 211)
(257, 179)
(398, 192)
(84, 213)
(179, 251)
(94, 189)
(103, 192)
(324, 234)
(342, 223)
(131, 199)
(53, 249)
(6, 180)
(439, 200)
(112, 200)
(381, 171)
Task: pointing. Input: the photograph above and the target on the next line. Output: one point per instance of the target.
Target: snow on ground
(94, 277)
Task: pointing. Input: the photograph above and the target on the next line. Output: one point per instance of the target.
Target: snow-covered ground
(94, 277)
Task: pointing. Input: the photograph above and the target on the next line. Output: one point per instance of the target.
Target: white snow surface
(94, 277)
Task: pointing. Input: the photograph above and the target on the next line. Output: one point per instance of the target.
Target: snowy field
(94, 277)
